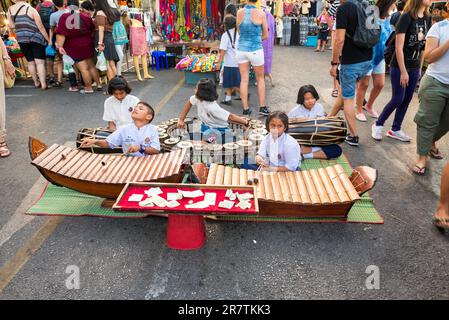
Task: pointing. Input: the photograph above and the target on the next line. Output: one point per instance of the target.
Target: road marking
(15, 264)
(160, 280)
(169, 95)
(19, 220)
(18, 95)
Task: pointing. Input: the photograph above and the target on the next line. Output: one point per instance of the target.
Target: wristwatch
(142, 150)
(334, 63)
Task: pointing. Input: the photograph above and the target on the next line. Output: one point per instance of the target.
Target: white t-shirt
(226, 44)
(302, 112)
(118, 111)
(440, 69)
(130, 135)
(282, 152)
(210, 113)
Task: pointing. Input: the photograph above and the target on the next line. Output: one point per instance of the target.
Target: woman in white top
(432, 117)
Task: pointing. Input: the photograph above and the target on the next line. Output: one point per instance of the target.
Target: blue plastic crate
(193, 77)
(312, 41)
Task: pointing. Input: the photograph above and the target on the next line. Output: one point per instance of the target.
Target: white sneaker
(377, 132)
(399, 135)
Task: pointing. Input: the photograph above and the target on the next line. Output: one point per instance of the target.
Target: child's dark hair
(58, 3)
(231, 9)
(306, 89)
(230, 22)
(277, 115)
(206, 90)
(118, 83)
(149, 108)
(436, 19)
(87, 5)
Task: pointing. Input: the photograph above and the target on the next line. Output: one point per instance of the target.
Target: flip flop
(421, 170)
(335, 93)
(437, 223)
(436, 154)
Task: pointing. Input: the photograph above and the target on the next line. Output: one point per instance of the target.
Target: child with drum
(278, 151)
(138, 138)
(212, 116)
(308, 108)
(118, 107)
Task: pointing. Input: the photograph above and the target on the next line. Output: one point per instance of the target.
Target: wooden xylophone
(325, 192)
(103, 175)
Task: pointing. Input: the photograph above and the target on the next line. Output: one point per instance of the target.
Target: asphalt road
(128, 259)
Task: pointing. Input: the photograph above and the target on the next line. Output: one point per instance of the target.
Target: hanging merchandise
(198, 63)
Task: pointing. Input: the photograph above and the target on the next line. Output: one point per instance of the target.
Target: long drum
(95, 133)
(318, 131)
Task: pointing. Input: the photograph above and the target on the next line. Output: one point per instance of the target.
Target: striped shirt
(26, 29)
(332, 10)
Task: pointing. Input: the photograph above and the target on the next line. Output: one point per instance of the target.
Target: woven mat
(57, 201)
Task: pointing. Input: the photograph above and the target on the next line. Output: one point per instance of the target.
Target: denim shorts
(350, 74)
(379, 69)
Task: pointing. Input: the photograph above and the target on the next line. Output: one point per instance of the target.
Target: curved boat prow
(36, 147)
(363, 178)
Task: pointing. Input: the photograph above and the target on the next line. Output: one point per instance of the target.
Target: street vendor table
(171, 47)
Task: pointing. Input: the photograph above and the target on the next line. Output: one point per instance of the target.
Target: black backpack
(390, 48)
(45, 13)
(367, 33)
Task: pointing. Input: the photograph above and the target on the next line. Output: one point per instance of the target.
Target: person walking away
(432, 118)
(378, 66)
(355, 60)
(252, 27)
(406, 66)
(32, 38)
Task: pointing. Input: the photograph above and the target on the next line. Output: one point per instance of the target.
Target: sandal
(4, 151)
(335, 93)
(420, 171)
(82, 91)
(441, 223)
(436, 154)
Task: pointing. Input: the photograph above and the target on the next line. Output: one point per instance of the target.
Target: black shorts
(322, 35)
(32, 51)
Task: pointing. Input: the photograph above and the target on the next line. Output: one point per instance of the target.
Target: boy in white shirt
(137, 139)
(118, 107)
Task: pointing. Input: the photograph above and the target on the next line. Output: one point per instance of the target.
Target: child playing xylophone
(213, 117)
(307, 108)
(278, 151)
(137, 139)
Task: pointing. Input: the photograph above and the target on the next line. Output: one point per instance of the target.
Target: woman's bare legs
(83, 67)
(378, 85)
(260, 78)
(362, 87)
(112, 69)
(443, 205)
(41, 72)
(244, 76)
(93, 72)
(33, 73)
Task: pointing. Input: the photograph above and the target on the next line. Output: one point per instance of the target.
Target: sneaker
(377, 132)
(226, 102)
(361, 117)
(247, 112)
(74, 89)
(399, 135)
(265, 111)
(353, 141)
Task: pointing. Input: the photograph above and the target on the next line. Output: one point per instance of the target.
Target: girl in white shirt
(209, 112)
(118, 107)
(278, 152)
(308, 108)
